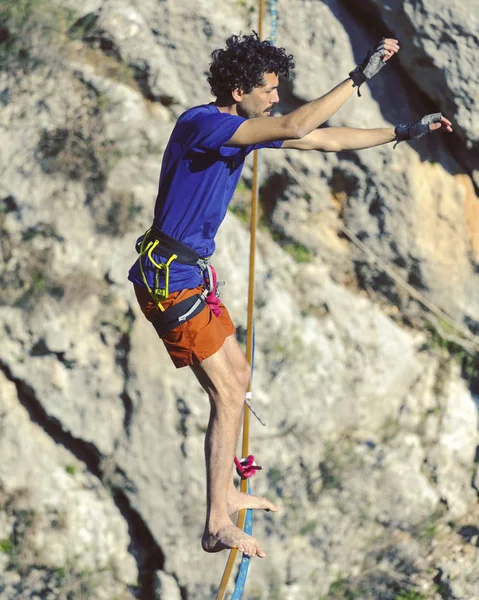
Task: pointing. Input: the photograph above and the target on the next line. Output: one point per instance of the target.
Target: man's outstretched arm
(335, 139)
(296, 124)
(310, 116)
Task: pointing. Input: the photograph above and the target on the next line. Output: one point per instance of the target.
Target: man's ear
(237, 94)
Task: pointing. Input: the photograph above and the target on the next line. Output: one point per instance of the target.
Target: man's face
(260, 101)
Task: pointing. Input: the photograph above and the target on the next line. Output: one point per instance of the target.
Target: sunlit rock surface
(365, 361)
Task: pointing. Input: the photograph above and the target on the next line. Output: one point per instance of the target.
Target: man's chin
(265, 113)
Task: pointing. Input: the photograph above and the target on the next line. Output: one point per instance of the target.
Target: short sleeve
(212, 131)
(276, 144)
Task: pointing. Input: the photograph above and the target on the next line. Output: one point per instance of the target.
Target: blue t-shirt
(198, 178)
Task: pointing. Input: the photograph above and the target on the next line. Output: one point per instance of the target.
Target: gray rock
(370, 441)
(439, 41)
(166, 587)
(63, 518)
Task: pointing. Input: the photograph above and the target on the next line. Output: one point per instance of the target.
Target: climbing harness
(156, 244)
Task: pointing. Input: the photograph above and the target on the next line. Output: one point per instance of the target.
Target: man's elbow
(294, 133)
(328, 142)
(332, 146)
(294, 130)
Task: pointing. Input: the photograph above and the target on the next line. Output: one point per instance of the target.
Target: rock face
(440, 42)
(367, 311)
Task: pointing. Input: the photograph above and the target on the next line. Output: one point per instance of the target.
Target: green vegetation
(17, 546)
(337, 457)
(410, 595)
(429, 528)
(275, 476)
(120, 322)
(389, 430)
(245, 6)
(71, 469)
(241, 212)
(346, 589)
(111, 68)
(68, 581)
(468, 361)
(25, 25)
(300, 253)
(28, 13)
(115, 213)
(6, 546)
(108, 299)
(36, 33)
(243, 187)
(44, 230)
(341, 589)
(308, 527)
(83, 27)
(31, 281)
(241, 205)
(330, 474)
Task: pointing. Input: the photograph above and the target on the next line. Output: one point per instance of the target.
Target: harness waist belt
(168, 246)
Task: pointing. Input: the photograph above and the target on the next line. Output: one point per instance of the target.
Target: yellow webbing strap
(249, 357)
(249, 346)
(157, 292)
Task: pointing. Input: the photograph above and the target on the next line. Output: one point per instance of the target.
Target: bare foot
(229, 536)
(237, 501)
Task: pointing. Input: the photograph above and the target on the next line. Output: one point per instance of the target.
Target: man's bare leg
(226, 393)
(238, 500)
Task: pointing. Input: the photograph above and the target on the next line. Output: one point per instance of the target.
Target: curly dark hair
(243, 63)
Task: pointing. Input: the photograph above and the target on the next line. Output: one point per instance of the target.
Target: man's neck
(226, 108)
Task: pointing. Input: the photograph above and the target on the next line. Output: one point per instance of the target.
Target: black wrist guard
(414, 131)
(371, 65)
(358, 78)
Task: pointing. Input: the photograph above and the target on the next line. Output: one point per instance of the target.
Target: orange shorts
(200, 337)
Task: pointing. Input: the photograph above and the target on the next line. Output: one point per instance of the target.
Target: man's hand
(428, 124)
(442, 125)
(375, 60)
(391, 47)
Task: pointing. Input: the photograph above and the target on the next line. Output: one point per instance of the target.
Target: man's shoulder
(202, 110)
(205, 127)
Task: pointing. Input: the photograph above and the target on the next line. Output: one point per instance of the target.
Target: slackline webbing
(244, 565)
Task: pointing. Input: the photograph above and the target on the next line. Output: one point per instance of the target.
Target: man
(174, 282)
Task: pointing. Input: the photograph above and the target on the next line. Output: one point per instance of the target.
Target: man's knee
(230, 397)
(245, 376)
(236, 390)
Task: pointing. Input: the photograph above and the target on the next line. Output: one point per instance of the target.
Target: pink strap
(212, 299)
(246, 467)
